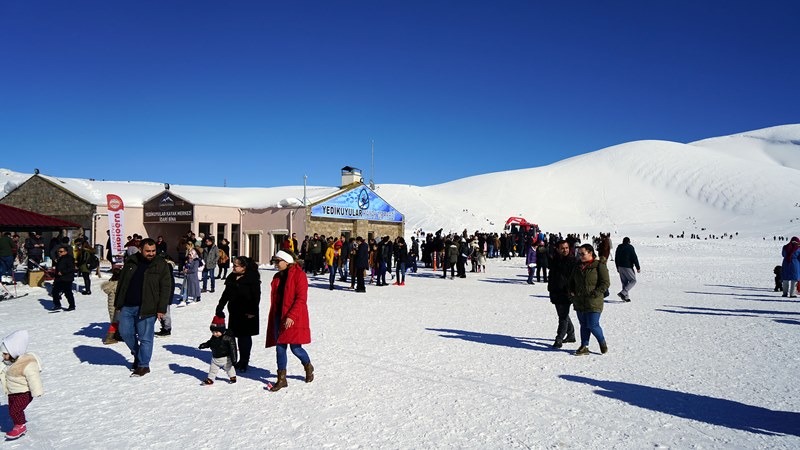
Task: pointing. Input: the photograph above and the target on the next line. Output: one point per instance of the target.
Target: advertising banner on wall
(168, 208)
(360, 203)
(116, 216)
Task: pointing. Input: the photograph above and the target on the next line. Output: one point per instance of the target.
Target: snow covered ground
(703, 357)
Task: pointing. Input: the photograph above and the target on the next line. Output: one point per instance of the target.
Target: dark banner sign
(168, 208)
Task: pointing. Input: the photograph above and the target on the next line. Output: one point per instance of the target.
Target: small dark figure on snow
(778, 278)
(223, 351)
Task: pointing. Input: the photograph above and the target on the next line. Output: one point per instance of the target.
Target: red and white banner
(116, 214)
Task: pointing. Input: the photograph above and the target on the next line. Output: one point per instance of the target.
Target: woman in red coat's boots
(288, 324)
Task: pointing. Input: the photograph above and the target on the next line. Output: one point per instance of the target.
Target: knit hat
(218, 324)
(284, 256)
(16, 343)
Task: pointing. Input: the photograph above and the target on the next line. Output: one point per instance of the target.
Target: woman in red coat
(288, 324)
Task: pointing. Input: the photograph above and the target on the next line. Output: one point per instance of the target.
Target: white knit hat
(284, 256)
(16, 343)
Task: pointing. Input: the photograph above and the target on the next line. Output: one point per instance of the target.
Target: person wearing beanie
(790, 267)
(19, 376)
(223, 351)
(288, 323)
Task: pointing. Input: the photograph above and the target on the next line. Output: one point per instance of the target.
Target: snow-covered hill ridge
(641, 185)
(747, 182)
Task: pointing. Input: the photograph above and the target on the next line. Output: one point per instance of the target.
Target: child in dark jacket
(223, 351)
(778, 278)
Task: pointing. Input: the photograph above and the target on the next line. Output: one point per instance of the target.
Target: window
(254, 247)
(235, 251)
(221, 232)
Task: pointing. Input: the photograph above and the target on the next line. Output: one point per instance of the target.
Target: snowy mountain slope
(778, 145)
(747, 182)
(627, 185)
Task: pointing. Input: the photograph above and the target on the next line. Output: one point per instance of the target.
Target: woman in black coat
(242, 294)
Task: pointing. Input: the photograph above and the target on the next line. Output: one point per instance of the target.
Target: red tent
(15, 219)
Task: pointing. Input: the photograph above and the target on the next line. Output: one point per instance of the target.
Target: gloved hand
(220, 314)
(204, 345)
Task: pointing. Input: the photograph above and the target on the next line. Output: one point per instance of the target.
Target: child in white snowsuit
(223, 351)
(19, 376)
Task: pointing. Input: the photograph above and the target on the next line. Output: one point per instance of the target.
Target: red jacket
(295, 295)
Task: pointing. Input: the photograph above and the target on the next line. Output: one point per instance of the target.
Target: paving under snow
(703, 357)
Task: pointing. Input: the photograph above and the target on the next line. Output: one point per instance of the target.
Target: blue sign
(360, 203)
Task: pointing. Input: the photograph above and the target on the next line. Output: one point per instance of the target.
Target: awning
(16, 219)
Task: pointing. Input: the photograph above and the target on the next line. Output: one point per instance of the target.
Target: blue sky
(261, 93)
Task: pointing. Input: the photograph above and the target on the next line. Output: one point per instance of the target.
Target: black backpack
(93, 262)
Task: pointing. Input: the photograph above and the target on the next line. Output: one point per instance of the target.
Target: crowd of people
(142, 288)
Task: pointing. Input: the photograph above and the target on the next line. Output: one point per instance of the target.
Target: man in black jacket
(626, 259)
(143, 293)
(362, 263)
(561, 267)
(64, 276)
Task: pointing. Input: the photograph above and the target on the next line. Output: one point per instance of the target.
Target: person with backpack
(87, 261)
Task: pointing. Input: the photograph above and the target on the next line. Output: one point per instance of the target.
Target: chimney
(351, 175)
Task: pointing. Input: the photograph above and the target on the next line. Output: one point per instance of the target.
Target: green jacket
(6, 246)
(587, 286)
(157, 287)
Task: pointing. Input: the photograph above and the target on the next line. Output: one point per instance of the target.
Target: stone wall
(43, 197)
(334, 227)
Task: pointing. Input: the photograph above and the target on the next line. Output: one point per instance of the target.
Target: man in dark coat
(64, 276)
(561, 267)
(144, 292)
(34, 245)
(362, 263)
(626, 259)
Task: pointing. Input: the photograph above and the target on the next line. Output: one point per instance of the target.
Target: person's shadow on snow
(497, 339)
(253, 373)
(93, 330)
(714, 411)
(99, 356)
(192, 352)
(47, 303)
(193, 372)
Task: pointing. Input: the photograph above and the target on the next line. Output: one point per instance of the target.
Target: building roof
(136, 193)
(16, 219)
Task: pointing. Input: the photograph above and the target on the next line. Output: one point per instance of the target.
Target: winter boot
(603, 348)
(16, 432)
(110, 339)
(569, 339)
(207, 382)
(582, 350)
(164, 332)
(309, 372)
(557, 344)
(233, 380)
(281, 382)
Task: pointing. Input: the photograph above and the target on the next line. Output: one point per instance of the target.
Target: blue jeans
(344, 269)
(401, 272)
(381, 273)
(137, 334)
(332, 276)
(590, 323)
(206, 273)
(7, 265)
(298, 351)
